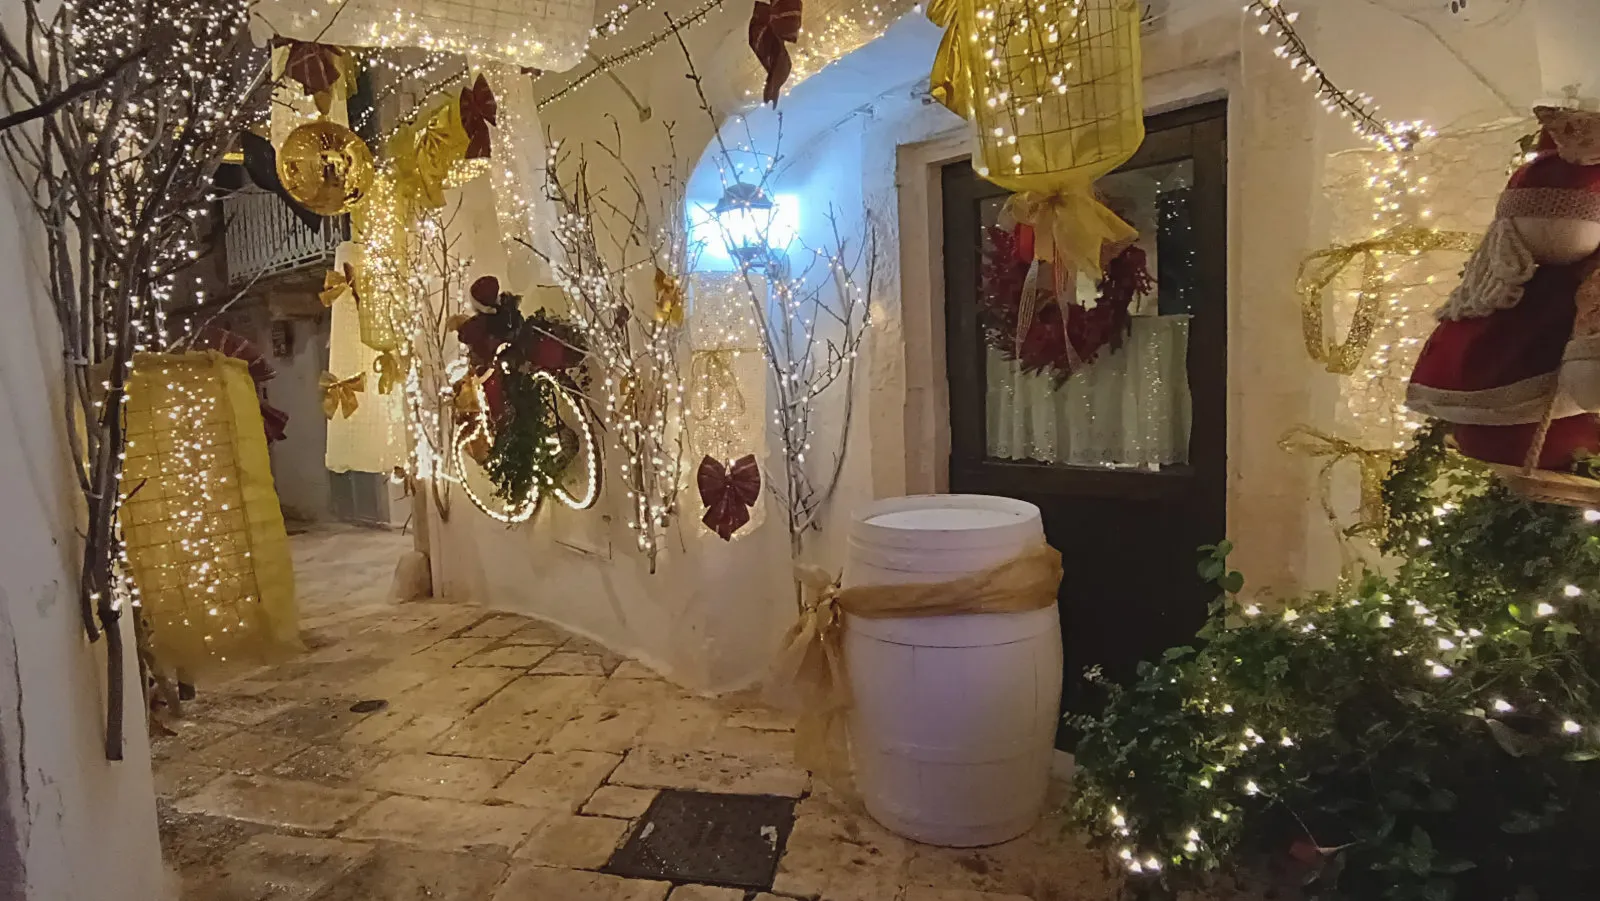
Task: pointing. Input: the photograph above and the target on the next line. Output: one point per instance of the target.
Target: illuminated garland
(511, 514)
(1359, 109)
(607, 63)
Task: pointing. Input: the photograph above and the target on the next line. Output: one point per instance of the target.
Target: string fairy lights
(1358, 109)
(528, 33)
(605, 64)
(121, 181)
(477, 429)
(634, 349)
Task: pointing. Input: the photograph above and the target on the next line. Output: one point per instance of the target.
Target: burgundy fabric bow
(773, 26)
(231, 344)
(728, 493)
(314, 65)
(478, 111)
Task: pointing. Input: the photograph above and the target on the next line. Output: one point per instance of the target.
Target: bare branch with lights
(120, 177)
(812, 319)
(610, 256)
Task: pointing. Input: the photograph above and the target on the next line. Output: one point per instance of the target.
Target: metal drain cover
(710, 839)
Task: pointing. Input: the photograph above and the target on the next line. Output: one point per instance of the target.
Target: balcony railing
(264, 239)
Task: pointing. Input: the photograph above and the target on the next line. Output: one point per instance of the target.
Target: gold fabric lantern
(1055, 95)
(381, 227)
(325, 167)
(200, 518)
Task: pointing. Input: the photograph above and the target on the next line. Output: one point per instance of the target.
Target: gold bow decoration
(390, 370)
(810, 679)
(338, 282)
(669, 298)
(1305, 441)
(1070, 226)
(1319, 270)
(950, 82)
(339, 395)
(425, 151)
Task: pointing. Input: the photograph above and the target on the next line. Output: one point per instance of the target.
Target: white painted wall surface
(73, 827)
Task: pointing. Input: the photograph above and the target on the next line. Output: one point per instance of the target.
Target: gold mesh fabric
(1050, 114)
(205, 537)
(381, 224)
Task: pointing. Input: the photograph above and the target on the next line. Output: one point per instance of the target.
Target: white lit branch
(127, 107)
(811, 308)
(620, 256)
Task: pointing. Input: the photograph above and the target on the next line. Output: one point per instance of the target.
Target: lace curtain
(1129, 408)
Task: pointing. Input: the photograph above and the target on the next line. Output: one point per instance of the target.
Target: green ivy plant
(1426, 734)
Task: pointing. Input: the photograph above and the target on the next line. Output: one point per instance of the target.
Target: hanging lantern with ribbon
(1054, 93)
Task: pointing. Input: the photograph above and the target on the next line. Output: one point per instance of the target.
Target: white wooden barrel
(955, 717)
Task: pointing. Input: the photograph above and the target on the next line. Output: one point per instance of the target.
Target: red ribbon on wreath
(1027, 320)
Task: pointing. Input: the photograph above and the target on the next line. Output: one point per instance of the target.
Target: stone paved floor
(510, 762)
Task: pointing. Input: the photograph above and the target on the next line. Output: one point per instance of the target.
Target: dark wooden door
(1128, 467)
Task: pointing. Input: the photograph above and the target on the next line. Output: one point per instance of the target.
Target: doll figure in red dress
(1521, 334)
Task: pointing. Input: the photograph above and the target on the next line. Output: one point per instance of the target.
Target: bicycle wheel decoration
(523, 424)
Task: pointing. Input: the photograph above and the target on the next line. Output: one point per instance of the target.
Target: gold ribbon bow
(950, 82)
(425, 151)
(1303, 440)
(1320, 269)
(1069, 228)
(389, 370)
(669, 298)
(336, 283)
(339, 395)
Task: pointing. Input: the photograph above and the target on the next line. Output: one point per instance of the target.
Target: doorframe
(919, 171)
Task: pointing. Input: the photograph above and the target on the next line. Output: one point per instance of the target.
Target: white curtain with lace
(1130, 407)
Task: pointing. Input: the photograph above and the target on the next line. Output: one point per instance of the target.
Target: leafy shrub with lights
(1428, 734)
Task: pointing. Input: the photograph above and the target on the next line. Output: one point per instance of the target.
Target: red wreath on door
(1061, 338)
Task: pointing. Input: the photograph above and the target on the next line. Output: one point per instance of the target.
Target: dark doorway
(1127, 457)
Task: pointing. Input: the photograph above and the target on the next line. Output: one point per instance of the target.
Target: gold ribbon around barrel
(1320, 269)
(341, 395)
(810, 678)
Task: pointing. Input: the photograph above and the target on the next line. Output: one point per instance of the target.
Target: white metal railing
(265, 239)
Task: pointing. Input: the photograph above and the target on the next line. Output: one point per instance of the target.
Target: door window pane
(1129, 407)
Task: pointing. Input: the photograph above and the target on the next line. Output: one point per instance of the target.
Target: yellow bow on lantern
(950, 83)
(1069, 227)
(339, 395)
(1318, 271)
(389, 370)
(425, 151)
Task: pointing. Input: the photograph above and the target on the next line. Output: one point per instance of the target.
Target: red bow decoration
(314, 65)
(728, 493)
(478, 112)
(773, 26)
(230, 344)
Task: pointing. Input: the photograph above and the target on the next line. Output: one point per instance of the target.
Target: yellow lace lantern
(381, 226)
(200, 518)
(1054, 92)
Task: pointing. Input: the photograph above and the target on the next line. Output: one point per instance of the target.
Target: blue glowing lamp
(745, 216)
